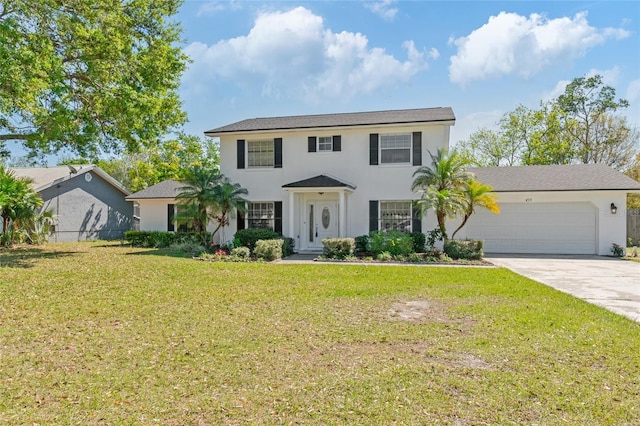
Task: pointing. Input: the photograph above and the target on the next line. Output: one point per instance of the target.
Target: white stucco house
(337, 175)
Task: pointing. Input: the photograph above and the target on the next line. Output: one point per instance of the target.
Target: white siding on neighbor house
(578, 222)
(351, 165)
(154, 214)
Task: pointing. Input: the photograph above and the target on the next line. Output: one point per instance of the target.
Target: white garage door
(555, 228)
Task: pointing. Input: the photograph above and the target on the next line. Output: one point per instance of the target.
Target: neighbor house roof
(165, 189)
(404, 116)
(46, 177)
(575, 177)
(320, 181)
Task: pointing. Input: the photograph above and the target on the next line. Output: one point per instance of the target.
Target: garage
(554, 228)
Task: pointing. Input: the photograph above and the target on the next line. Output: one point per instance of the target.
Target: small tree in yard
(477, 194)
(441, 186)
(227, 197)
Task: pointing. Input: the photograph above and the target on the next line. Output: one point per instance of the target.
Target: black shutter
(417, 148)
(171, 211)
(240, 220)
(277, 153)
(311, 144)
(416, 217)
(277, 216)
(373, 215)
(337, 143)
(240, 150)
(373, 149)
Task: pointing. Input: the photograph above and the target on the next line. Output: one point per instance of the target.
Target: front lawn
(103, 334)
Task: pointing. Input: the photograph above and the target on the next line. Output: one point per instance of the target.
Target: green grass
(95, 334)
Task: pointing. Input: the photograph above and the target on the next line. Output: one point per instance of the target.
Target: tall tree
(198, 195)
(588, 105)
(90, 76)
(440, 186)
(228, 197)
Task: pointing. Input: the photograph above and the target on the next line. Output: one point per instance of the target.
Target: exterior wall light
(614, 209)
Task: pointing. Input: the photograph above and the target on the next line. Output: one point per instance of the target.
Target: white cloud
(293, 53)
(212, 7)
(513, 44)
(383, 9)
(633, 91)
(434, 53)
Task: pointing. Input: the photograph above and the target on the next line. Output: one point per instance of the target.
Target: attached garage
(554, 228)
(559, 209)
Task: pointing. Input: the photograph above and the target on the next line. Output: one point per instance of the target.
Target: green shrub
(249, 238)
(617, 250)
(268, 249)
(338, 248)
(361, 244)
(189, 248)
(433, 236)
(385, 256)
(464, 249)
(159, 239)
(241, 252)
(415, 258)
(394, 242)
(419, 240)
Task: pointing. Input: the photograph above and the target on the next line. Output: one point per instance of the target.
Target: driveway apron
(611, 283)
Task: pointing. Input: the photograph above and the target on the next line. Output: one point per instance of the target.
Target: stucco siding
(87, 210)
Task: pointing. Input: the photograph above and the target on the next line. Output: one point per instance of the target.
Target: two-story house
(335, 175)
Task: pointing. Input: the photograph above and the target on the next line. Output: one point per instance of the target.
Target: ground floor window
(261, 215)
(395, 216)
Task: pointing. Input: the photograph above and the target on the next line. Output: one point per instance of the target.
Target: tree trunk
(464, 221)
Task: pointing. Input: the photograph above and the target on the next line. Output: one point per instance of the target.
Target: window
(325, 143)
(395, 216)
(260, 153)
(395, 148)
(260, 215)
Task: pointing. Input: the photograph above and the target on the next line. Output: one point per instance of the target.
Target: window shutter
(171, 211)
(373, 215)
(337, 143)
(239, 220)
(416, 217)
(277, 153)
(240, 149)
(417, 148)
(277, 216)
(311, 144)
(373, 149)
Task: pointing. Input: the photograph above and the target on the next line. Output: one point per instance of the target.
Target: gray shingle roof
(405, 116)
(164, 189)
(321, 181)
(45, 177)
(575, 177)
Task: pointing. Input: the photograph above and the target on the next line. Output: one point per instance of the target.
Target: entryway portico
(317, 210)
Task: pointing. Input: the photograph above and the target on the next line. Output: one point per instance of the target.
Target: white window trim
(330, 143)
(409, 227)
(273, 148)
(271, 219)
(380, 149)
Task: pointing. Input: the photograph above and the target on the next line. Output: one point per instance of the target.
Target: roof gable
(575, 177)
(405, 116)
(320, 181)
(45, 177)
(165, 189)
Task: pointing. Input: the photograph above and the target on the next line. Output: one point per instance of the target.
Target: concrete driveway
(604, 281)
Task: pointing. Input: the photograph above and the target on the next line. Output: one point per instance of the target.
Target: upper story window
(260, 153)
(325, 143)
(395, 148)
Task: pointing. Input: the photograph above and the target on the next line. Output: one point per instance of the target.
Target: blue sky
(260, 59)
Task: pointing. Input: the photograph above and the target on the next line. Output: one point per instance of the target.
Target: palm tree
(477, 194)
(228, 197)
(198, 195)
(18, 202)
(441, 186)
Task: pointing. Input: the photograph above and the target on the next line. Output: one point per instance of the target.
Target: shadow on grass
(26, 257)
(160, 252)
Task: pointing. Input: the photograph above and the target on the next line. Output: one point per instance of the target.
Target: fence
(633, 225)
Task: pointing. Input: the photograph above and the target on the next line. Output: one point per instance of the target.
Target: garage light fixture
(614, 209)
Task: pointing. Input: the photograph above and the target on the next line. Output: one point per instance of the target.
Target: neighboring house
(87, 203)
(336, 175)
(157, 206)
(574, 209)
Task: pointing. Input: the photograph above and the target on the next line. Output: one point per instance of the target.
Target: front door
(322, 222)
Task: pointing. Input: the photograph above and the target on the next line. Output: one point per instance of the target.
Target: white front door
(322, 222)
